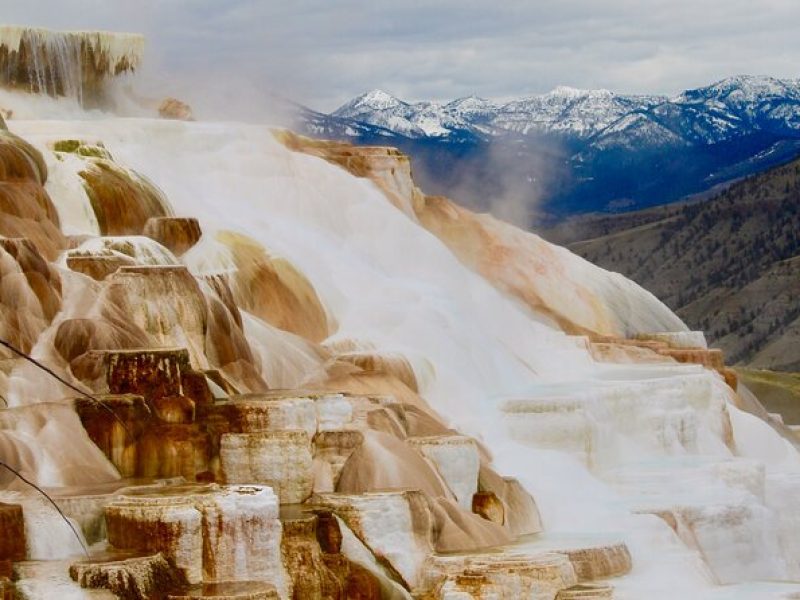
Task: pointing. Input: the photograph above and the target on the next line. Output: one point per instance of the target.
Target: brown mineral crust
(176, 409)
(115, 423)
(121, 200)
(26, 210)
(274, 290)
(593, 591)
(329, 535)
(521, 515)
(136, 578)
(195, 386)
(172, 108)
(98, 267)
(361, 584)
(12, 533)
(390, 364)
(7, 589)
(178, 234)
(311, 578)
(488, 506)
(174, 450)
(75, 337)
(152, 373)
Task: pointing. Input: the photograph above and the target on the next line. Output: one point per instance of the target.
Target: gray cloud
(322, 52)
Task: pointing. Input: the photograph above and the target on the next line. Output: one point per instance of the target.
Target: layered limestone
(66, 63)
(334, 448)
(280, 459)
(209, 533)
(676, 339)
(574, 422)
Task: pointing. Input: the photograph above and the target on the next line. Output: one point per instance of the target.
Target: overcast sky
(323, 52)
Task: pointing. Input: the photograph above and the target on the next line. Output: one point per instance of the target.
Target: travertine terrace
(276, 369)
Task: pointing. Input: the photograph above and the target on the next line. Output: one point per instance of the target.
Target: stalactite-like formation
(74, 64)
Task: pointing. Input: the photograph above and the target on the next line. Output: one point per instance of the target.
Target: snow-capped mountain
(728, 108)
(641, 148)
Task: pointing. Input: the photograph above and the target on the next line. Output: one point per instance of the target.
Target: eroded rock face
(209, 533)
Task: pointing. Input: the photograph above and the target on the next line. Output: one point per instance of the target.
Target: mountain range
(575, 151)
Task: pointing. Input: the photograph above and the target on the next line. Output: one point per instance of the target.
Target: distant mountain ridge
(586, 150)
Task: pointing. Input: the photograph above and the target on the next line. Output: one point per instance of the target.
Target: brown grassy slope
(729, 264)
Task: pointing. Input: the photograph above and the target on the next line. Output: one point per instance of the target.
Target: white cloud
(323, 52)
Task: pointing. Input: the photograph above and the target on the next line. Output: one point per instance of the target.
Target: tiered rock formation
(237, 426)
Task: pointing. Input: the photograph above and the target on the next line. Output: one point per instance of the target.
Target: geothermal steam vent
(243, 364)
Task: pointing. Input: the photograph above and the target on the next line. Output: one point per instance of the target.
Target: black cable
(74, 388)
(60, 512)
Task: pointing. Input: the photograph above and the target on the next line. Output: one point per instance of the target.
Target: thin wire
(60, 512)
(74, 388)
